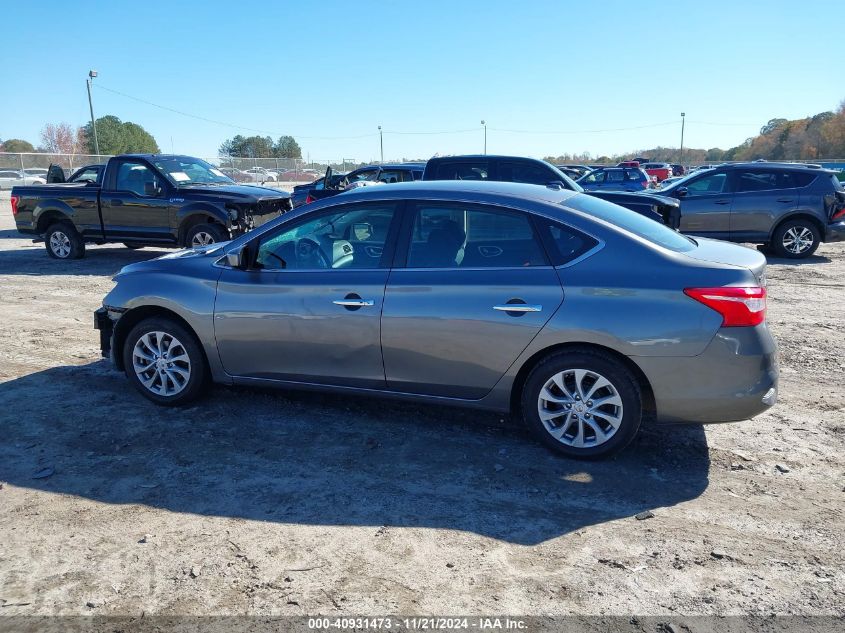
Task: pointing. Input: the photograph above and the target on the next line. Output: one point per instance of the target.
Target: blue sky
(338, 70)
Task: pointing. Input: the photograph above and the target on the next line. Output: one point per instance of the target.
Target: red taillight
(14, 200)
(309, 199)
(739, 307)
(836, 216)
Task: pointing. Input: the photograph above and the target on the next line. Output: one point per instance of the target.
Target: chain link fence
(260, 170)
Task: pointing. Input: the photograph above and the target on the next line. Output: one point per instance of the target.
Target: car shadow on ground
(329, 460)
(785, 261)
(33, 260)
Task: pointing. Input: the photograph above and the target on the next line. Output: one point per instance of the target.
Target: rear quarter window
(632, 222)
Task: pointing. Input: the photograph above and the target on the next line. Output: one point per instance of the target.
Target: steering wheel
(309, 254)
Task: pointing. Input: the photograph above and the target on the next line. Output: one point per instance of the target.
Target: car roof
(443, 188)
(394, 166)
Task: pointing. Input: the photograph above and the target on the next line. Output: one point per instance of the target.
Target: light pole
(681, 156)
(381, 143)
(485, 135)
(88, 82)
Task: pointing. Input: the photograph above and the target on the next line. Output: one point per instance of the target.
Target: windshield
(633, 222)
(184, 170)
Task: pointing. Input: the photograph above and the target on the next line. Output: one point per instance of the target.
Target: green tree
(248, 147)
(287, 147)
(17, 145)
(119, 137)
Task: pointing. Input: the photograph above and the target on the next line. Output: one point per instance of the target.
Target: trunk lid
(719, 252)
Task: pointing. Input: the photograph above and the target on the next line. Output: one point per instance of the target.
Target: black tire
(186, 344)
(216, 232)
(623, 387)
(132, 246)
(786, 234)
(64, 242)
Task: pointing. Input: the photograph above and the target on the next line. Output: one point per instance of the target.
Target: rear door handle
(518, 307)
(117, 203)
(353, 303)
(721, 202)
(786, 200)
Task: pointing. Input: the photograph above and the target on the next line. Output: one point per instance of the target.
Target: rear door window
(615, 175)
(476, 170)
(452, 235)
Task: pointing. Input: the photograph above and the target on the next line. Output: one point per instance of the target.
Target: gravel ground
(285, 503)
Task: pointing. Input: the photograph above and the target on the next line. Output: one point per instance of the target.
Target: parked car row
(14, 178)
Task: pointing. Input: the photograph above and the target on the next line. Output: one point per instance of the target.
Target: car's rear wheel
(584, 404)
(164, 362)
(63, 242)
(205, 234)
(796, 239)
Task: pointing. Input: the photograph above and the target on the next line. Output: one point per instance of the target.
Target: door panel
(286, 325)
(706, 208)
(128, 212)
(762, 197)
(442, 336)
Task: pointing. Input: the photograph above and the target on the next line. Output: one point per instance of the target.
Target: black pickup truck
(538, 172)
(143, 200)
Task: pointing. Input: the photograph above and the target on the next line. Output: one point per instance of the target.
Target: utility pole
(681, 158)
(381, 143)
(485, 135)
(88, 82)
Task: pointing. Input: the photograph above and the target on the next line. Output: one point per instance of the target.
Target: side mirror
(681, 192)
(239, 259)
(151, 189)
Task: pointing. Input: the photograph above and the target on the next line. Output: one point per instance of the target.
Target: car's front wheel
(205, 234)
(164, 361)
(583, 403)
(796, 239)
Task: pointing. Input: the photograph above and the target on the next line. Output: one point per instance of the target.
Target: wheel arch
(45, 217)
(649, 403)
(189, 217)
(134, 316)
(799, 215)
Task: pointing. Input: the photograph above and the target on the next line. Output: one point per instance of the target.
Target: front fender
(217, 212)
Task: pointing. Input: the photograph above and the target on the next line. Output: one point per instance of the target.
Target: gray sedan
(577, 315)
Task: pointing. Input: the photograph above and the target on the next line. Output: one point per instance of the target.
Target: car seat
(444, 247)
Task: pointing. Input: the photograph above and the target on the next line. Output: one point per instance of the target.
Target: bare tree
(62, 138)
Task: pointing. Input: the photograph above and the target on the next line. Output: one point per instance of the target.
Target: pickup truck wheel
(796, 239)
(63, 242)
(164, 362)
(205, 234)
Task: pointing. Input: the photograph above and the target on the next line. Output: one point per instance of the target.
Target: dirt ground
(284, 503)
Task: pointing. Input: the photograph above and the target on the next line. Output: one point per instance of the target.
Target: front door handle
(785, 200)
(353, 303)
(518, 307)
(117, 203)
(721, 202)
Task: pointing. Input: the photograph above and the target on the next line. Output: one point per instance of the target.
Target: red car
(661, 170)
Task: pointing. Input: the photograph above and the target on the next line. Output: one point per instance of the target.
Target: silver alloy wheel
(580, 408)
(60, 244)
(202, 238)
(798, 239)
(161, 363)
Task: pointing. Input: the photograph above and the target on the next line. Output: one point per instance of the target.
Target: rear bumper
(734, 378)
(835, 232)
